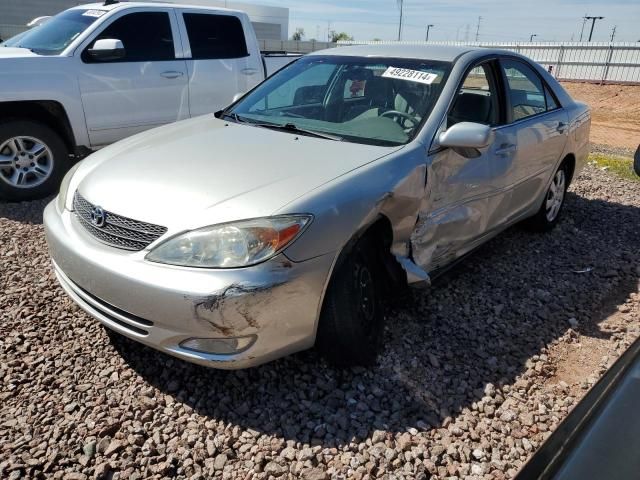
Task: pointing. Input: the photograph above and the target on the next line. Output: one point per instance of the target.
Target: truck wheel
(549, 213)
(33, 160)
(636, 161)
(352, 320)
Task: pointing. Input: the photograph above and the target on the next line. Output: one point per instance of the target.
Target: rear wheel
(33, 160)
(352, 320)
(551, 207)
(636, 161)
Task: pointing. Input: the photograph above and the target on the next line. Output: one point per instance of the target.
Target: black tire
(543, 221)
(352, 318)
(56, 158)
(636, 161)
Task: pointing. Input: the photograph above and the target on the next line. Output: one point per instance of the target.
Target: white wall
(259, 14)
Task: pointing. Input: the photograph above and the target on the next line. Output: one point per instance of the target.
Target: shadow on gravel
(480, 324)
(24, 212)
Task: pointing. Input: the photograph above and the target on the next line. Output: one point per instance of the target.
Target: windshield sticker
(94, 13)
(411, 75)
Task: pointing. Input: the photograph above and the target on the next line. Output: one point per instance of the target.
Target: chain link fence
(594, 62)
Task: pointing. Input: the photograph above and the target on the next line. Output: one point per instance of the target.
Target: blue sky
(551, 20)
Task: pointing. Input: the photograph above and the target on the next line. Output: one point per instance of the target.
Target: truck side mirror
(107, 49)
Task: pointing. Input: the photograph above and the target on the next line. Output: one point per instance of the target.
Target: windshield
(53, 36)
(13, 41)
(376, 101)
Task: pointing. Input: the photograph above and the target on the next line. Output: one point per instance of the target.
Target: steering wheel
(403, 117)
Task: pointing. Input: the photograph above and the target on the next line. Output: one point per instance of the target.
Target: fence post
(607, 63)
(560, 59)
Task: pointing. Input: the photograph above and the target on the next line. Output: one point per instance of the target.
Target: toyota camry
(281, 223)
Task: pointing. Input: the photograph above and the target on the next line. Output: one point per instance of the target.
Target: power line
(584, 20)
(478, 28)
(401, 4)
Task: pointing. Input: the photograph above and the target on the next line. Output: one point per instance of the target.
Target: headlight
(64, 187)
(231, 245)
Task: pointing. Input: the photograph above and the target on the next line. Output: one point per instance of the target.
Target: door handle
(561, 127)
(172, 74)
(505, 150)
(249, 71)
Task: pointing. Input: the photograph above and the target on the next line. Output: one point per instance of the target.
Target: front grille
(117, 231)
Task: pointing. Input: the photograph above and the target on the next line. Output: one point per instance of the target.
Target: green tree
(298, 34)
(336, 37)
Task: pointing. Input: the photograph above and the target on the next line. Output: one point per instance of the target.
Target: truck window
(215, 36)
(146, 37)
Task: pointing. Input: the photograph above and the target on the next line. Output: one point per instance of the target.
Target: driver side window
(146, 37)
(477, 99)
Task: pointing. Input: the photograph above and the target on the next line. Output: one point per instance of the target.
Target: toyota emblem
(98, 217)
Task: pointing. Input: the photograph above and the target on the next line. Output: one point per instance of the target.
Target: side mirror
(467, 135)
(107, 49)
(466, 138)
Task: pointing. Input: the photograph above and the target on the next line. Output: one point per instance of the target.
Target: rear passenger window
(146, 37)
(215, 36)
(525, 90)
(552, 103)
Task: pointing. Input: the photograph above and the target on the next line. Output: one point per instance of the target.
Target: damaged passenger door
(463, 185)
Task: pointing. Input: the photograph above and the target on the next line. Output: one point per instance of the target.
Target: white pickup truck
(95, 74)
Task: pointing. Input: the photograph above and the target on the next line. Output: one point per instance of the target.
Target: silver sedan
(282, 222)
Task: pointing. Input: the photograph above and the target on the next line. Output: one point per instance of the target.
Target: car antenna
(110, 2)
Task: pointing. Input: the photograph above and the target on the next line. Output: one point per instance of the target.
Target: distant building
(270, 23)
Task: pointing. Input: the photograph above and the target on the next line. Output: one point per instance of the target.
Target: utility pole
(428, 28)
(531, 37)
(584, 20)
(466, 33)
(400, 4)
(613, 33)
(593, 24)
(328, 30)
(478, 28)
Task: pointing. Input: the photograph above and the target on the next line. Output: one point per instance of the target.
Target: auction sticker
(94, 13)
(411, 75)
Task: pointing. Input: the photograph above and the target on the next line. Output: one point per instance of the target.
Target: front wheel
(551, 207)
(33, 160)
(352, 320)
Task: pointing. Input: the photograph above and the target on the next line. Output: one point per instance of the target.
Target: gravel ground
(476, 372)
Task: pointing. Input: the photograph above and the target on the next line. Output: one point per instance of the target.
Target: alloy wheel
(555, 195)
(25, 162)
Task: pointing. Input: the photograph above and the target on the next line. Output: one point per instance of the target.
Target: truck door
(145, 88)
(217, 59)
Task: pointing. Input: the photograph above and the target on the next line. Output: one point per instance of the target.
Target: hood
(205, 171)
(12, 52)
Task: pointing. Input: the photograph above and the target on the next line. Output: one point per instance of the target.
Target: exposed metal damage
(233, 309)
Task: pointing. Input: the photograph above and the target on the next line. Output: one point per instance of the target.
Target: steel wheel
(25, 162)
(555, 195)
(364, 292)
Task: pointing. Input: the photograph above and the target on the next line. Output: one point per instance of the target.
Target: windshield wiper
(292, 127)
(287, 127)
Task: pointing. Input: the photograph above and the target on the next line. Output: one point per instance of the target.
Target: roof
(427, 52)
(128, 4)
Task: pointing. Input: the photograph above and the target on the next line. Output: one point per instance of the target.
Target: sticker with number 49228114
(410, 75)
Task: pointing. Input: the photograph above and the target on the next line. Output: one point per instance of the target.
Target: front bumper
(278, 301)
